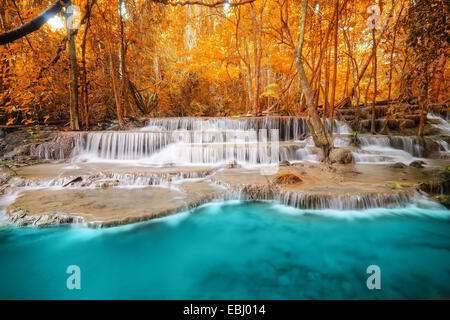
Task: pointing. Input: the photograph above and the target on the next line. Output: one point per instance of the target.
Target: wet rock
(444, 174)
(287, 178)
(436, 187)
(21, 218)
(258, 191)
(284, 163)
(12, 140)
(303, 136)
(444, 200)
(417, 164)
(4, 189)
(77, 179)
(6, 173)
(398, 165)
(439, 184)
(342, 156)
(113, 127)
(430, 148)
(24, 147)
(104, 185)
(169, 164)
(233, 165)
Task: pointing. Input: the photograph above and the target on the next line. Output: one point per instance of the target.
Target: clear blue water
(236, 250)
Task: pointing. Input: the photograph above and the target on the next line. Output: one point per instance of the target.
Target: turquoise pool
(236, 250)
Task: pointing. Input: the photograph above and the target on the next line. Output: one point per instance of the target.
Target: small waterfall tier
(247, 142)
(290, 128)
(439, 123)
(387, 149)
(212, 141)
(190, 148)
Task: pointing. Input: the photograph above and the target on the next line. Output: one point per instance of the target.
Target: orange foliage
(191, 60)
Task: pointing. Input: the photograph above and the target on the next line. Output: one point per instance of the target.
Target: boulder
(233, 165)
(398, 165)
(444, 200)
(284, 163)
(41, 145)
(417, 164)
(444, 174)
(342, 156)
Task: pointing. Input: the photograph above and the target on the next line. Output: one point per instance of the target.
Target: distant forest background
(133, 58)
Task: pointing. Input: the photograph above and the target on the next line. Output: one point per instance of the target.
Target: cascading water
(386, 149)
(443, 127)
(214, 141)
(441, 124)
(219, 141)
(290, 128)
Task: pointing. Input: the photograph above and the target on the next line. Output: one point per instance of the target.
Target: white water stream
(219, 141)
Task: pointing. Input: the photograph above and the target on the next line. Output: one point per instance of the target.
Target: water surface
(236, 250)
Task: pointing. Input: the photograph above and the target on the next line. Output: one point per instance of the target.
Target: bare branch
(33, 24)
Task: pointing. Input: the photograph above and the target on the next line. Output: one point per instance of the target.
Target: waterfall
(124, 145)
(319, 201)
(205, 141)
(443, 146)
(290, 128)
(385, 149)
(220, 141)
(440, 124)
(180, 147)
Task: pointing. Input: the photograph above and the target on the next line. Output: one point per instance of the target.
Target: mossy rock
(287, 178)
(342, 156)
(398, 165)
(417, 164)
(284, 163)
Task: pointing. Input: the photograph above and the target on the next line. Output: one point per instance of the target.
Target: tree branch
(34, 24)
(205, 3)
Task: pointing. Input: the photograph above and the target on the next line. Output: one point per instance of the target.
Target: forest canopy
(97, 60)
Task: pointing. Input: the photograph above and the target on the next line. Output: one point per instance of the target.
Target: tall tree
(321, 137)
(73, 70)
(428, 38)
(333, 87)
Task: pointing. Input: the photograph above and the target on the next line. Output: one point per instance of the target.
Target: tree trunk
(333, 88)
(257, 56)
(115, 85)
(439, 79)
(374, 66)
(320, 136)
(391, 68)
(424, 103)
(123, 59)
(366, 64)
(84, 88)
(73, 74)
(327, 83)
